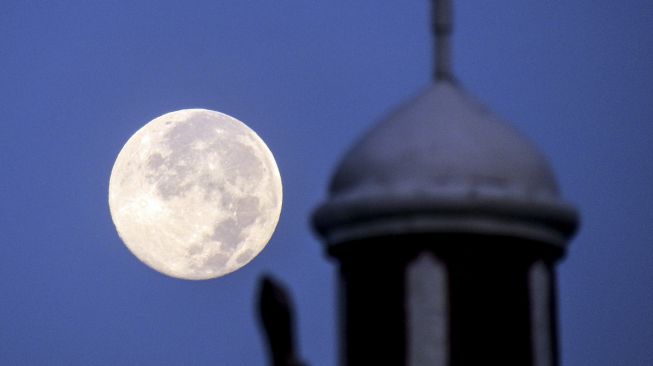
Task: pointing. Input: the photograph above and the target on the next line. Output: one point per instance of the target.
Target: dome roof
(442, 162)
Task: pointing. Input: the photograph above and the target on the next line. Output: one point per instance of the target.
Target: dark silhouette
(276, 316)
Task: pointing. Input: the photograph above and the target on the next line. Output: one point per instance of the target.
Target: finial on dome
(442, 26)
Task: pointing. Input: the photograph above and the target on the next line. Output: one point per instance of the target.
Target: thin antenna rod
(442, 25)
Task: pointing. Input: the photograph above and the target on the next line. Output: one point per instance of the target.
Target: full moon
(195, 194)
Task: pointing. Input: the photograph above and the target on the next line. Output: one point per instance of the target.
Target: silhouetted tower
(447, 225)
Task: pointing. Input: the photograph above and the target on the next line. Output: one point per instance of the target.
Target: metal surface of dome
(445, 138)
(443, 162)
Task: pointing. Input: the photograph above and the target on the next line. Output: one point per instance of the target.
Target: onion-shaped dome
(443, 163)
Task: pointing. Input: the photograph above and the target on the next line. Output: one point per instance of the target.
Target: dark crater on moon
(217, 261)
(229, 232)
(245, 256)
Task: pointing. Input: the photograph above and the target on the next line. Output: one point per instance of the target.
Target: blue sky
(77, 78)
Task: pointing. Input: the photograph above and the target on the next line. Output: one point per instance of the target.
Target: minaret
(447, 225)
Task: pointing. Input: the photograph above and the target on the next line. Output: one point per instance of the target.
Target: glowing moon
(195, 194)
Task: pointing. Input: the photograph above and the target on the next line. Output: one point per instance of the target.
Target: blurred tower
(447, 225)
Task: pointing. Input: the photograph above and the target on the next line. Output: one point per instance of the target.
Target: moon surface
(195, 194)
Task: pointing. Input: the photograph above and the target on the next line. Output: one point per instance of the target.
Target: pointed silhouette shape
(276, 315)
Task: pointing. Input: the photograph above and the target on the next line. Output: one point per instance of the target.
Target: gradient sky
(78, 78)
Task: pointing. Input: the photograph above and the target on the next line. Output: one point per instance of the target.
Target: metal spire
(442, 25)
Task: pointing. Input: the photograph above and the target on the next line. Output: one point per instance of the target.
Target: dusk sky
(78, 78)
